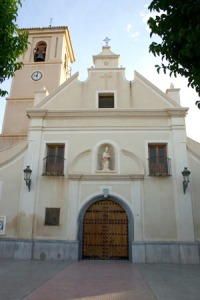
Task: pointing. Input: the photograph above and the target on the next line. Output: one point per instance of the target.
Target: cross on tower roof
(51, 19)
(106, 40)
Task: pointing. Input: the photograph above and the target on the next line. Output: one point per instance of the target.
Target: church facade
(106, 156)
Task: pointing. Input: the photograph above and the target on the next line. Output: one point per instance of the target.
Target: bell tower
(46, 64)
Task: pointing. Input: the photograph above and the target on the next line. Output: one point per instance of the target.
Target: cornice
(4, 135)
(103, 56)
(105, 176)
(177, 112)
(37, 113)
(20, 99)
(107, 69)
(101, 113)
(50, 28)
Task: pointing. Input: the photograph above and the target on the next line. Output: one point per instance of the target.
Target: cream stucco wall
(70, 116)
(11, 181)
(194, 159)
(131, 158)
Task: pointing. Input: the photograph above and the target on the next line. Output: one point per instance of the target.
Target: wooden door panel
(105, 231)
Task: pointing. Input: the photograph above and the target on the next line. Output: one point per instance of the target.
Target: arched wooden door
(105, 231)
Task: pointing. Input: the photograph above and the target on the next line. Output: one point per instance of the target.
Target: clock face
(37, 75)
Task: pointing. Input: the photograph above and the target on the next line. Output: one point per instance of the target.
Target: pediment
(148, 96)
(62, 97)
(138, 94)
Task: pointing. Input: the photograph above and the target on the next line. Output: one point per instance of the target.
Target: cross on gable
(106, 77)
(106, 40)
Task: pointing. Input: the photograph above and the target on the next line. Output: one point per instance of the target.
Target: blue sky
(124, 22)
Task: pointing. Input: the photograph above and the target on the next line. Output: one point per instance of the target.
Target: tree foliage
(198, 103)
(13, 42)
(177, 23)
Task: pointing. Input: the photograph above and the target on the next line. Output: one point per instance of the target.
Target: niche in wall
(106, 158)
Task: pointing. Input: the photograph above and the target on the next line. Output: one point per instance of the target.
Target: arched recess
(98, 151)
(102, 219)
(40, 51)
(81, 163)
(131, 163)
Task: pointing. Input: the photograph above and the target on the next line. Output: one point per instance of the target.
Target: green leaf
(198, 103)
(15, 42)
(178, 26)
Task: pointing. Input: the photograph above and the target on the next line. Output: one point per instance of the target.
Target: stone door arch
(105, 231)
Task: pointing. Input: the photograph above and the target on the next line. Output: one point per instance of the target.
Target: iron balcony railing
(159, 166)
(53, 165)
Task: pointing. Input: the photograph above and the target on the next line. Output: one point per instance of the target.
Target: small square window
(52, 217)
(106, 100)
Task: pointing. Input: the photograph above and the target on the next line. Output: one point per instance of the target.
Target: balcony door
(54, 162)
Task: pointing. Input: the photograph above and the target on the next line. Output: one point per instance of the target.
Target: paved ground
(97, 280)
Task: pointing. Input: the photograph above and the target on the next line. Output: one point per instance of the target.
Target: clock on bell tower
(46, 64)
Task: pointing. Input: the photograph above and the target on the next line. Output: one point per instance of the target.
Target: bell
(39, 57)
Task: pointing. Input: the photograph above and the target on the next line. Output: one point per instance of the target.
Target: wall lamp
(186, 174)
(27, 177)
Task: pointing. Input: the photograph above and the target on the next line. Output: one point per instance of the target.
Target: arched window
(40, 52)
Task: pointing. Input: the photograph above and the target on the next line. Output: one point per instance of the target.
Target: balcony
(53, 166)
(159, 166)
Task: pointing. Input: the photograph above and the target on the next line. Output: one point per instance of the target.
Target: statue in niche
(106, 160)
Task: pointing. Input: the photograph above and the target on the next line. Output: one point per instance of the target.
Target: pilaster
(184, 210)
